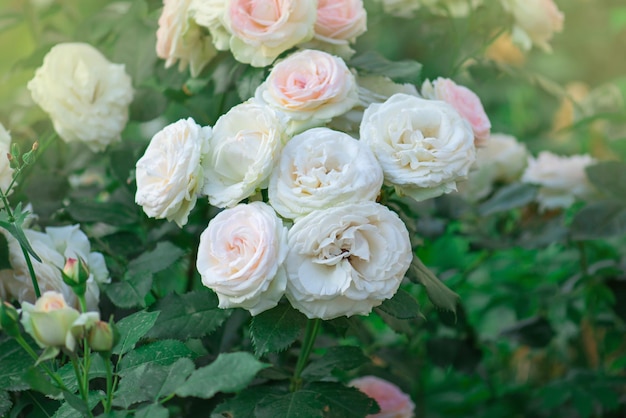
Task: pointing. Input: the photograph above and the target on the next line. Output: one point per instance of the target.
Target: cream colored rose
(392, 401)
(321, 168)
(310, 87)
(338, 24)
(535, 22)
(6, 172)
(465, 101)
(424, 146)
(240, 257)
(211, 14)
(85, 95)
(49, 320)
(169, 174)
(242, 151)
(180, 40)
(502, 160)
(54, 247)
(263, 29)
(345, 260)
(561, 180)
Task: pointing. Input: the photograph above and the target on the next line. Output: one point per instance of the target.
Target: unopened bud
(35, 146)
(9, 319)
(102, 336)
(9, 157)
(75, 274)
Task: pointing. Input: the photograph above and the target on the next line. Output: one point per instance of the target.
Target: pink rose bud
(102, 337)
(392, 401)
(464, 101)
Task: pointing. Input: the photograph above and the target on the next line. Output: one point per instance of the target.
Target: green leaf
(40, 382)
(4, 253)
(301, 404)
(601, 219)
(132, 328)
(509, 197)
(13, 361)
(609, 177)
(139, 56)
(438, 293)
(163, 352)
(152, 411)
(191, 315)
(402, 306)
(67, 375)
(48, 354)
(130, 292)
(276, 329)
(74, 407)
(5, 403)
(243, 404)
(164, 255)
(342, 358)
(371, 62)
(111, 213)
(247, 84)
(147, 104)
(230, 372)
(150, 381)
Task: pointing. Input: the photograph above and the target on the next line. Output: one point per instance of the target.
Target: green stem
(81, 389)
(82, 302)
(22, 342)
(312, 329)
(33, 277)
(86, 365)
(109, 398)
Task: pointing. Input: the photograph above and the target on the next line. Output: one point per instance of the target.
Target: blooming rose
(338, 24)
(263, 29)
(240, 257)
(503, 160)
(346, 259)
(54, 247)
(535, 22)
(424, 146)
(320, 168)
(169, 174)
(392, 401)
(210, 14)
(243, 149)
(49, 320)
(85, 95)
(310, 87)
(561, 180)
(6, 172)
(465, 101)
(180, 39)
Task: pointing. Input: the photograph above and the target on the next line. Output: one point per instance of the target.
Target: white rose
(85, 95)
(561, 180)
(263, 29)
(424, 146)
(535, 22)
(310, 87)
(54, 247)
(211, 14)
(240, 257)
(6, 172)
(180, 39)
(320, 168)
(49, 320)
(169, 174)
(345, 260)
(242, 151)
(503, 159)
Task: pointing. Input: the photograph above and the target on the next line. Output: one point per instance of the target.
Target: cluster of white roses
(255, 32)
(54, 247)
(535, 21)
(321, 240)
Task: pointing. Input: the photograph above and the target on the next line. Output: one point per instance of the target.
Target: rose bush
(85, 95)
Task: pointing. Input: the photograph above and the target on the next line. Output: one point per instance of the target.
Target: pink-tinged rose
(263, 29)
(180, 39)
(49, 320)
(339, 23)
(310, 88)
(535, 22)
(561, 180)
(465, 101)
(392, 401)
